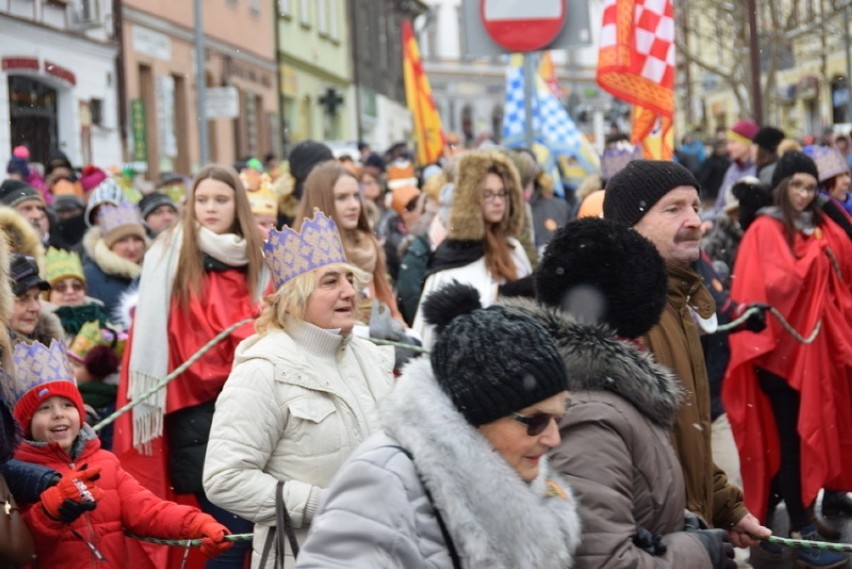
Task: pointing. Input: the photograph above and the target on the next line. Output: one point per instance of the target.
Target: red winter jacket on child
(126, 505)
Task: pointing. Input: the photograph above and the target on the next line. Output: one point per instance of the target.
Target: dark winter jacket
(27, 481)
(412, 272)
(548, 214)
(616, 450)
(187, 432)
(108, 275)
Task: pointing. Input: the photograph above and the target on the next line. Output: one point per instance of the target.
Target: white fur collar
(496, 520)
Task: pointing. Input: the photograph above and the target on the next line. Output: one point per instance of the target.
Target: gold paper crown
(62, 264)
(88, 337)
(36, 364)
(111, 217)
(263, 201)
(290, 254)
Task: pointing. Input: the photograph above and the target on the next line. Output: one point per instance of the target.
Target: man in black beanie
(660, 200)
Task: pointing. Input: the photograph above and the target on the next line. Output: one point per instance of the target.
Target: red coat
(126, 505)
(226, 300)
(809, 287)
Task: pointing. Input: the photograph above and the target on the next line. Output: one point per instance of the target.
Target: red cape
(806, 289)
(226, 300)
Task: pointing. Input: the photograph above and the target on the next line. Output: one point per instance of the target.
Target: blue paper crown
(36, 364)
(290, 254)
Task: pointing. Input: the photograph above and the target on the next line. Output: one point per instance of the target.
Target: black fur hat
(600, 270)
(490, 361)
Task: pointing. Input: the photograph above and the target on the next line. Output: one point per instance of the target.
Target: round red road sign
(522, 25)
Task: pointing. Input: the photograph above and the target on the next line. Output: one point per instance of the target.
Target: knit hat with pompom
(490, 361)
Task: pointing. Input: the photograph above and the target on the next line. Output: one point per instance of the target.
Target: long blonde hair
(190, 269)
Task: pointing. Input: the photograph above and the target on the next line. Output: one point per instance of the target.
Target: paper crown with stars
(290, 254)
(42, 372)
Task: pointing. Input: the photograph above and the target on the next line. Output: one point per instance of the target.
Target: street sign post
(520, 25)
(574, 30)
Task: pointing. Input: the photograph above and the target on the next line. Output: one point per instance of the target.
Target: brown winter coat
(616, 450)
(675, 343)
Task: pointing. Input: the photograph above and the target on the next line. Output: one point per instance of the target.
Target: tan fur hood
(110, 263)
(21, 236)
(465, 221)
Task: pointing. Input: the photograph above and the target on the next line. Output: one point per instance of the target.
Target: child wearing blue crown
(80, 522)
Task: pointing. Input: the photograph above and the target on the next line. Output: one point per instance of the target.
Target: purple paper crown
(36, 364)
(290, 254)
(616, 156)
(111, 216)
(829, 161)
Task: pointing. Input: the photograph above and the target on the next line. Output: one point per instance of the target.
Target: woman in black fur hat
(600, 286)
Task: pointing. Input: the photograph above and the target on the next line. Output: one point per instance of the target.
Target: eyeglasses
(492, 196)
(536, 424)
(799, 185)
(75, 286)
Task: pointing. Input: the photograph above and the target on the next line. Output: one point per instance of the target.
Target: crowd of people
(447, 366)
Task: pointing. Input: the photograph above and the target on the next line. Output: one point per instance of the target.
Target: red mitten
(212, 534)
(74, 495)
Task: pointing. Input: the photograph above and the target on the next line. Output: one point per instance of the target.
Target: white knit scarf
(149, 356)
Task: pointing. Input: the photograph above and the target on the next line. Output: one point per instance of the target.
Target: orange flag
(428, 133)
(636, 64)
(548, 72)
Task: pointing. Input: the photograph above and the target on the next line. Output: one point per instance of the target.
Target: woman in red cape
(789, 401)
(200, 277)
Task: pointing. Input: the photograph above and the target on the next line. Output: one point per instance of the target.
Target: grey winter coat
(616, 451)
(378, 513)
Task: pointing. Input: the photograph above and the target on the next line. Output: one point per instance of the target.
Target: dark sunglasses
(537, 423)
(75, 286)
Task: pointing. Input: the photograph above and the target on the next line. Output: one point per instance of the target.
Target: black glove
(648, 541)
(718, 547)
(756, 322)
(691, 522)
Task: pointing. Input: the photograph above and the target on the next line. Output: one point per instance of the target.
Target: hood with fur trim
(495, 519)
(465, 221)
(48, 328)
(596, 360)
(110, 263)
(21, 236)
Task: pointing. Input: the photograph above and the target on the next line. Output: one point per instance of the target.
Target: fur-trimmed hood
(110, 263)
(48, 328)
(494, 518)
(465, 220)
(21, 236)
(596, 360)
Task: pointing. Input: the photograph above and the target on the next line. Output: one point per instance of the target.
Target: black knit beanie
(304, 156)
(791, 163)
(638, 186)
(13, 192)
(490, 361)
(598, 270)
(768, 138)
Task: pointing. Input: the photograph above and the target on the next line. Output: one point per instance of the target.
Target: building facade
(160, 83)
(470, 91)
(57, 81)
